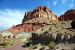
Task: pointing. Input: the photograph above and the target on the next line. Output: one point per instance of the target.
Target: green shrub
(73, 24)
(51, 45)
(7, 43)
(28, 44)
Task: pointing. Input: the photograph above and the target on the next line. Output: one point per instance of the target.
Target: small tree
(73, 24)
(28, 44)
(51, 45)
(58, 38)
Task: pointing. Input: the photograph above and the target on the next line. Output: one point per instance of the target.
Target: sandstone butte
(38, 13)
(36, 19)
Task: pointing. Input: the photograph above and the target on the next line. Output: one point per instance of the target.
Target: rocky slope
(68, 15)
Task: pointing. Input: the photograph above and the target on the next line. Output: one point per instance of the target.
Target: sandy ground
(65, 46)
(17, 46)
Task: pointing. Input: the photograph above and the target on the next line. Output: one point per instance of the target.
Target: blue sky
(12, 11)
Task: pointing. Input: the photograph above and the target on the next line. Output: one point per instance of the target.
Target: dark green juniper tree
(73, 24)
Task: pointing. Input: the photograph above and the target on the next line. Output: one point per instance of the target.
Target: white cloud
(55, 2)
(10, 17)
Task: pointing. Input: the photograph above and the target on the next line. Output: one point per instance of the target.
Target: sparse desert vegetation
(6, 42)
(52, 36)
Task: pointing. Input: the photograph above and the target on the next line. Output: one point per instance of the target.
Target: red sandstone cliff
(68, 15)
(26, 27)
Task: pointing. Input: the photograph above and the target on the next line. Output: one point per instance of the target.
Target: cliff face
(38, 13)
(68, 15)
(34, 20)
(26, 27)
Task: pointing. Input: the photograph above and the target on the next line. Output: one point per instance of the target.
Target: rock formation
(26, 27)
(34, 20)
(68, 15)
(38, 13)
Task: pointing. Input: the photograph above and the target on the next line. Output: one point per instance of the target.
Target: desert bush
(65, 39)
(73, 24)
(28, 44)
(58, 38)
(51, 45)
(43, 39)
(72, 39)
(7, 43)
(7, 34)
(23, 36)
